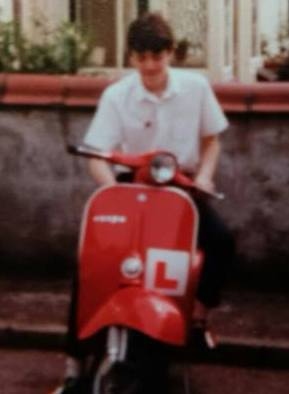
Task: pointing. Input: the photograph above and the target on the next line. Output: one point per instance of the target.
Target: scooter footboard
(152, 314)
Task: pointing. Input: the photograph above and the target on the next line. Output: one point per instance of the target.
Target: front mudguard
(150, 313)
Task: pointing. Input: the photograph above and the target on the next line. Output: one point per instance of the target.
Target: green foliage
(63, 50)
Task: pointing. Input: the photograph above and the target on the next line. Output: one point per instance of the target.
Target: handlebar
(138, 161)
(129, 160)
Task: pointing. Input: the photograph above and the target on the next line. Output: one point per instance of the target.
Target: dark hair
(150, 32)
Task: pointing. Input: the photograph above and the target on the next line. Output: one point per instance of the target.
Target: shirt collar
(143, 94)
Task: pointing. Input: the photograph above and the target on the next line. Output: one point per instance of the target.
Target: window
(105, 22)
(189, 19)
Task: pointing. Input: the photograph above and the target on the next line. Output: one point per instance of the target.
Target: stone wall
(43, 190)
(254, 175)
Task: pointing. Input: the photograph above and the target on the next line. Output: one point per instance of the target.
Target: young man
(157, 107)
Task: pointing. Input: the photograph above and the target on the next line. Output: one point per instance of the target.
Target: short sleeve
(213, 120)
(104, 132)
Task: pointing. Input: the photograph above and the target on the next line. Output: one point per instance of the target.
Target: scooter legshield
(159, 225)
(152, 314)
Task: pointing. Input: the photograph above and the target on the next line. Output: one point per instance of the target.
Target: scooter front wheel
(133, 364)
(114, 374)
(120, 379)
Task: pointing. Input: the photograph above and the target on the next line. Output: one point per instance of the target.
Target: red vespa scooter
(138, 271)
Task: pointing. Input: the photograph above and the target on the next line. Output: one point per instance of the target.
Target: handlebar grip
(72, 149)
(218, 195)
(87, 152)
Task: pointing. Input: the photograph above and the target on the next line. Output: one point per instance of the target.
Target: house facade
(225, 39)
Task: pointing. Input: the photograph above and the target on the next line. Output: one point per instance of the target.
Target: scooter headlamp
(163, 168)
(132, 267)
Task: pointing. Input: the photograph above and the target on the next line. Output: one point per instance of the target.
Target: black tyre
(120, 379)
(143, 371)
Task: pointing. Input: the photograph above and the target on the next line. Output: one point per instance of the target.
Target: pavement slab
(37, 310)
(38, 372)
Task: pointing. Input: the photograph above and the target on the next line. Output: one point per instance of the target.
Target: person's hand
(204, 183)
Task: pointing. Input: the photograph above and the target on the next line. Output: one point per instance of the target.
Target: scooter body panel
(136, 308)
(160, 226)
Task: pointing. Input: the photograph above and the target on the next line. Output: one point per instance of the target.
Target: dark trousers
(214, 240)
(217, 243)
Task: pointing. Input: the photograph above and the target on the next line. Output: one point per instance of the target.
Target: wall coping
(84, 91)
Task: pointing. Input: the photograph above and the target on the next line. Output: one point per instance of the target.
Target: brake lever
(185, 181)
(217, 195)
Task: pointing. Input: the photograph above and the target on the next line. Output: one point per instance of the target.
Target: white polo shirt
(132, 119)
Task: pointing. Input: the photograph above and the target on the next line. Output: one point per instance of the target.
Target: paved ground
(37, 372)
(34, 304)
(250, 316)
(29, 372)
(254, 322)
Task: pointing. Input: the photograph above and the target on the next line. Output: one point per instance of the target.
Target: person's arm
(104, 134)
(101, 172)
(209, 155)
